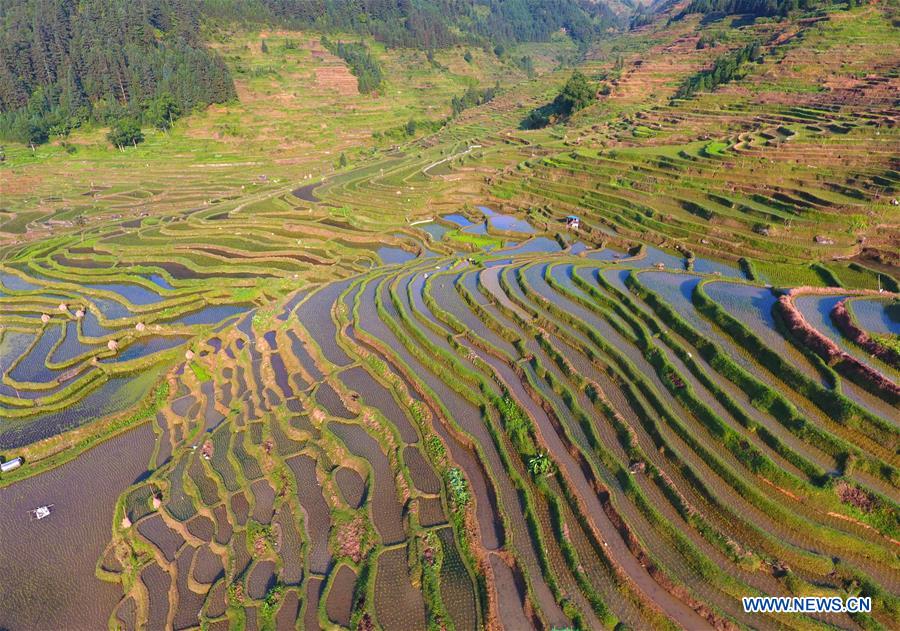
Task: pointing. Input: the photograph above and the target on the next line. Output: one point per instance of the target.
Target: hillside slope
(789, 156)
(63, 63)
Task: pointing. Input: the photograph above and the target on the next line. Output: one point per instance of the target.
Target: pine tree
(67, 62)
(163, 111)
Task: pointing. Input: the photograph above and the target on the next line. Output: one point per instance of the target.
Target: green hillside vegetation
(756, 8)
(575, 95)
(369, 75)
(724, 69)
(428, 24)
(64, 64)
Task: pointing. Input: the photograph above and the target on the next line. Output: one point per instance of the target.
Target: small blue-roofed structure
(573, 221)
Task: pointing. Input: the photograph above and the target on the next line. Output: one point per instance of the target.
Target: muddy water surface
(47, 570)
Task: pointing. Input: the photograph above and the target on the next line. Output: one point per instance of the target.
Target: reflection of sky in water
(436, 230)
(111, 309)
(90, 326)
(135, 294)
(606, 254)
(11, 281)
(159, 280)
(676, 289)
(616, 277)
(873, 316)
(538, 244)
(145, 347)
(578, 247)
(458, 219)
(743, 301)
(511, 224)
(32, 367)
(708, 266)
(390, 256)
(116, 394)
(211, 314)
(655, 255)
(508, 223)
(817, 311)
(12, 345)
(71, 346)
(476, 228)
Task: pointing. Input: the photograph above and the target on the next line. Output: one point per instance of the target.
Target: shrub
(125, 132)
(459, 488)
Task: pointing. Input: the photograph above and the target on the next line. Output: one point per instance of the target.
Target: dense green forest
(428, 24)
(756, 8)
(715, 9)
(66, 62)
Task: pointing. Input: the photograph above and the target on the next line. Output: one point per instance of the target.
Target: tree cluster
(472, 97)
(575, 95)
(526, 63)
(65, 63)
(726, 68)
(756, 8)
(427, 24)
(363, 65)
(125, 132)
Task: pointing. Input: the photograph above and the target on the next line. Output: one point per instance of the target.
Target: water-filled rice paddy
(459, 220)
(817, 311)
(397, 603)
(340, 596)
(352, 486)
(551, 425)
(875, 316)
(509, 223)
(435, 229)
(35, 594)
(390, 256)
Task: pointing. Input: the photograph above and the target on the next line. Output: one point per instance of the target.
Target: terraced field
(518, 437)
(402, 394)
(750, 168)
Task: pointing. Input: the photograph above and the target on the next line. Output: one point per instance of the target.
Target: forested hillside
(63, 63)
(756, 8)
(429, 23)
